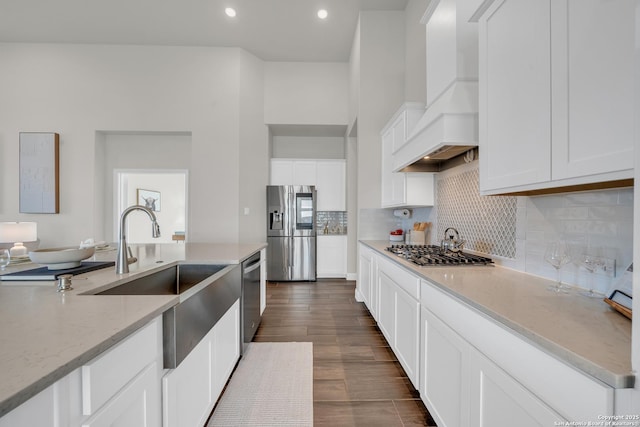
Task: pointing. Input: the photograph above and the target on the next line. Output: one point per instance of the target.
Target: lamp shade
(11, 232)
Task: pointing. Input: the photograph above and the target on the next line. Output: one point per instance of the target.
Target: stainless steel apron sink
(206, 293)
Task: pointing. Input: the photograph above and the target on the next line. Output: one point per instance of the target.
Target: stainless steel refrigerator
(291, 233)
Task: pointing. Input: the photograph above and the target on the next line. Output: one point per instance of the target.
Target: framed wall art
(149, 199)
(39, 172)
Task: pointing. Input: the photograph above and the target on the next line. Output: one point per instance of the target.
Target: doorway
(164, 191)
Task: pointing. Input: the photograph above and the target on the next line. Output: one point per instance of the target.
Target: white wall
(308, 147)
(134, 151)
(306, 93)
(381, 93)
(76, 90)
(254, 152)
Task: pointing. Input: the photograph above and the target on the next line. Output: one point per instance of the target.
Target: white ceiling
(273, 30)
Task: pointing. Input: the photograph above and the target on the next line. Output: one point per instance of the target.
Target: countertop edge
(242, 251)
(36, 387)
(575, 361)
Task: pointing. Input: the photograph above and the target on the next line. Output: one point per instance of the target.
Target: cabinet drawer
(404, 279)
(105, 375)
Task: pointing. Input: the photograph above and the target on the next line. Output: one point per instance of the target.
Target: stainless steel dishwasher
(250, 298)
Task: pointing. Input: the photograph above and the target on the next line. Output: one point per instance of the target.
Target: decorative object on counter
(417, 236)
(452, 241)
(18, 233)
(5, 258)
(61, 258)
(621, 297)
(557, 255)
(149, 199)
(43, 273)
(39, 172)
(621, 302)
(396, 235)
(591, 260)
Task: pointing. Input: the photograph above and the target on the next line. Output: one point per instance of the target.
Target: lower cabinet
(190, 391)
(119, 388)
(365, 291)
(469, 369)
(137, 404)
(476, 373)
(125, 386)
(331, 253)
(399, 315)
(498, 399)
(459, 384)
(444, 360)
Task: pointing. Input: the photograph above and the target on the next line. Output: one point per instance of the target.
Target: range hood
(449, 126)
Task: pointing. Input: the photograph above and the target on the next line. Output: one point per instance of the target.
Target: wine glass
(5, 258)
(591, 262)
(557, 255)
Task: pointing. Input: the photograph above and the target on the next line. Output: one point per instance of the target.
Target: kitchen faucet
(122, 260)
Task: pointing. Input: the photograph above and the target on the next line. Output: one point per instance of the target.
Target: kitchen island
(47, 335)
(498, 317)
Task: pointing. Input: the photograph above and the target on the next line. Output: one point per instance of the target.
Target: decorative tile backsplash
(331, 222)
(486, 223)
(515, 231)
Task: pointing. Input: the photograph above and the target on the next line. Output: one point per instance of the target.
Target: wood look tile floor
(357, 380)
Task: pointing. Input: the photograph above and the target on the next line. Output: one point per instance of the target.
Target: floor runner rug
(272, 386)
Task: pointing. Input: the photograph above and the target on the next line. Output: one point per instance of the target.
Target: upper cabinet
(331, 185)
(328, 176)
(399, 188)
(556, 97)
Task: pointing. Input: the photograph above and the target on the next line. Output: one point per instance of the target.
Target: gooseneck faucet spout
(122, 260)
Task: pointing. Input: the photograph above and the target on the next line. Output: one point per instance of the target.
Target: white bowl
(61, 258)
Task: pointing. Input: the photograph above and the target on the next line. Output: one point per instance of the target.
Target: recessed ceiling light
(231, 12)
(322, 14)
(426, 157)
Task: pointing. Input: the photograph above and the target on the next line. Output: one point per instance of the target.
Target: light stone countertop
(45, 334)
(580, 331)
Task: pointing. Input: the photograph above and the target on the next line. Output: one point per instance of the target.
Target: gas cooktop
(428, 255)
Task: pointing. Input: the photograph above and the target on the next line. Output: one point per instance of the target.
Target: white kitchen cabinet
(225, 347)
(387, 305)
(292, 172)
(556, 105)
(403, 188)
(281, 172)
(137, 404)
(305, 172)
(121, 387)
(444, 361)
(191, 390)
(365, 285)
(498, 399)
(534, 382)
(331, 253)
(331, 185)
(399, 315)
(40, 410)
(407, 333)
(329, 177)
